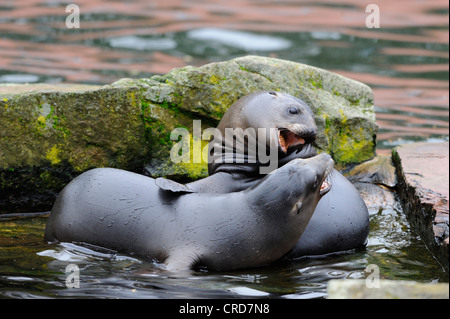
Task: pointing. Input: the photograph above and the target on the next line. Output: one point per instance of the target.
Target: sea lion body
(340, 221)
(128, 212)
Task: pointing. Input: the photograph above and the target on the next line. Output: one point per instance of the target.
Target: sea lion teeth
(325, 187)
(287, 139)
(282, 142)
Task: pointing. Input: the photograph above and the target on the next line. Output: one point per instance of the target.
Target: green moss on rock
(64, 129)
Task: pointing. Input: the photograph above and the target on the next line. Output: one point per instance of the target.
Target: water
(405, 62)
(32, 268)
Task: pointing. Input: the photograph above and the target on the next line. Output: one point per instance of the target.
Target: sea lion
(233, 165)
(128, 213)
(341, 219)
(289, 119)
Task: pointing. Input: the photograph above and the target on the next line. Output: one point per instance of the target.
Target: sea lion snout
(319, 166)
(295, 123)
(305, 132)
(324, 161)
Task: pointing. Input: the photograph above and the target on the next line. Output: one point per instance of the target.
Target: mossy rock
(48, 136)
(51, 133)
(343, 107)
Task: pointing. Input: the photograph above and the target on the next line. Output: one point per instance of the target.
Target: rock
(379, 170)
(388, 289)
(51, 133)
(375, 181)
(48, 136)
(423, 188)
(377, 197)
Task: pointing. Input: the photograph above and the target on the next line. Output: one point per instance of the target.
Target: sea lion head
(289, 117)
(300, 180)
(292, 118)
(289, 195)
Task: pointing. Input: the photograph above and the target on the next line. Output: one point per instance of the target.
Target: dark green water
(31, 268)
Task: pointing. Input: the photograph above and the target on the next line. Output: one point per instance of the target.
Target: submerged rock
(375, 180)
(386, 289)
(51, 133)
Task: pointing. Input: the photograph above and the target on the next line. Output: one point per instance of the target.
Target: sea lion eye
(293, 110)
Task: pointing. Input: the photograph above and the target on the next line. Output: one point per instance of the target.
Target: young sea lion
(127, 212)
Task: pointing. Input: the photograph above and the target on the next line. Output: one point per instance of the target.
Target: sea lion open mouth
(325, 187)
(326, 183)
(287, 138)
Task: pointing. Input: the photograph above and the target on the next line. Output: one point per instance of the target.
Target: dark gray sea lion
(340, 221)
(234, 165)
(127, 212)
(293, 126)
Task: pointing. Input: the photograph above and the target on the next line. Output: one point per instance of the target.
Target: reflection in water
(143, 44)
(241, 40)
(405, 61)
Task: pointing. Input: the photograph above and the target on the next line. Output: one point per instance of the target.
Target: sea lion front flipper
(179, 261)
(172, 186)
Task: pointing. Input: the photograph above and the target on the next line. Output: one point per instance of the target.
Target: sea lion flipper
(172, 186)
(179, 261)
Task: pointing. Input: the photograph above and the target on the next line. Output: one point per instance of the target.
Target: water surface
(32, 268)
(405, 61)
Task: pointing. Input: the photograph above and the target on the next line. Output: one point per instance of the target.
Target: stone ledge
(423, 188)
